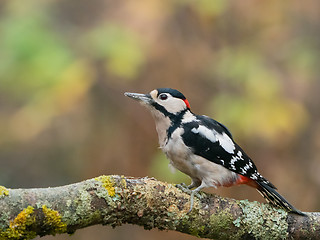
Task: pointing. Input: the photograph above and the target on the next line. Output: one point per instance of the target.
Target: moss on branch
(116, 200)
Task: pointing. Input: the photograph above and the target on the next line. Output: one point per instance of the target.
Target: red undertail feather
(245, 180)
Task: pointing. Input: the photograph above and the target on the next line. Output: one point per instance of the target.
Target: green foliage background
(64, 66)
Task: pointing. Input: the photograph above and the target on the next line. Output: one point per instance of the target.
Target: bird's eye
(163, 96)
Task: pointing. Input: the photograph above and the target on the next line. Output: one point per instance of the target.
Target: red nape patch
(187, 103)
(245, 180)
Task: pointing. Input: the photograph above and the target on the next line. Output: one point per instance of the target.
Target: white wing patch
(205, 132)
(226, 142)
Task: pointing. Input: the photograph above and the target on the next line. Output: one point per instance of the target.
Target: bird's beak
(144, 98)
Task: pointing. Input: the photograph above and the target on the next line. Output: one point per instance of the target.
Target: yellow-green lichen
(221, 222)
(53, 222)
(3, 191)
(19, 228)
(123, 182)
(108, 184)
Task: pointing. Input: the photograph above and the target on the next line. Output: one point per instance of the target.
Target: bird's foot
(198, 194)
(186, 189)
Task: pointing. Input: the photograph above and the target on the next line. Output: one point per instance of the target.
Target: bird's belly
(179, 157)
(197, 167)
(212, 174)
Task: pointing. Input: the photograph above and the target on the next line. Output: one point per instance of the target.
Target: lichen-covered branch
(116, 200)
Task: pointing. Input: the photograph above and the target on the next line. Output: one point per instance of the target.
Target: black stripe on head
(174, 93)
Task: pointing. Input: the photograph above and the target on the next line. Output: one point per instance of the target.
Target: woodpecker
(203, 148)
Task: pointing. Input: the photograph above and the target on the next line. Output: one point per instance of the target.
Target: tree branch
(116, 200)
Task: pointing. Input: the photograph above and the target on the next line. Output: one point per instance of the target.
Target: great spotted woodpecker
(203, 148)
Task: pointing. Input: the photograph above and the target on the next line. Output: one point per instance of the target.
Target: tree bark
(116, 200)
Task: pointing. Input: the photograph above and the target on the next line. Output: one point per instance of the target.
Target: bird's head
(166, 101)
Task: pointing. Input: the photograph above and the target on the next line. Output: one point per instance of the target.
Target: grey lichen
(79, 211)
(262, 221)
(83, 202)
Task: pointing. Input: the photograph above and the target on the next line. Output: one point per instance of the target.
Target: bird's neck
(163, 123)
(166, 125)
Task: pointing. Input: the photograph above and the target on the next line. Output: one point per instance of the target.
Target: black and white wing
(213, 141)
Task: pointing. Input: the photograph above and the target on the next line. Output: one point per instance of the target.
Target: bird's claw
(184, 188)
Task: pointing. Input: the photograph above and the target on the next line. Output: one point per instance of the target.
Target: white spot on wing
(205, 132)
(254, 177)
(226, 142)
(246, 167)
(233, 160)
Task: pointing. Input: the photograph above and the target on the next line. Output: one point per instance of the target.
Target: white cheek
(173, 105)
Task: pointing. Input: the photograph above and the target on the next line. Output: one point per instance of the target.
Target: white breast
(178, 153)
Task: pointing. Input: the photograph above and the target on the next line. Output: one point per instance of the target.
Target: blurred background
(65, 64)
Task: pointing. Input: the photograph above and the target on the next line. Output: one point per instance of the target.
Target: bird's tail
(273, 197)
